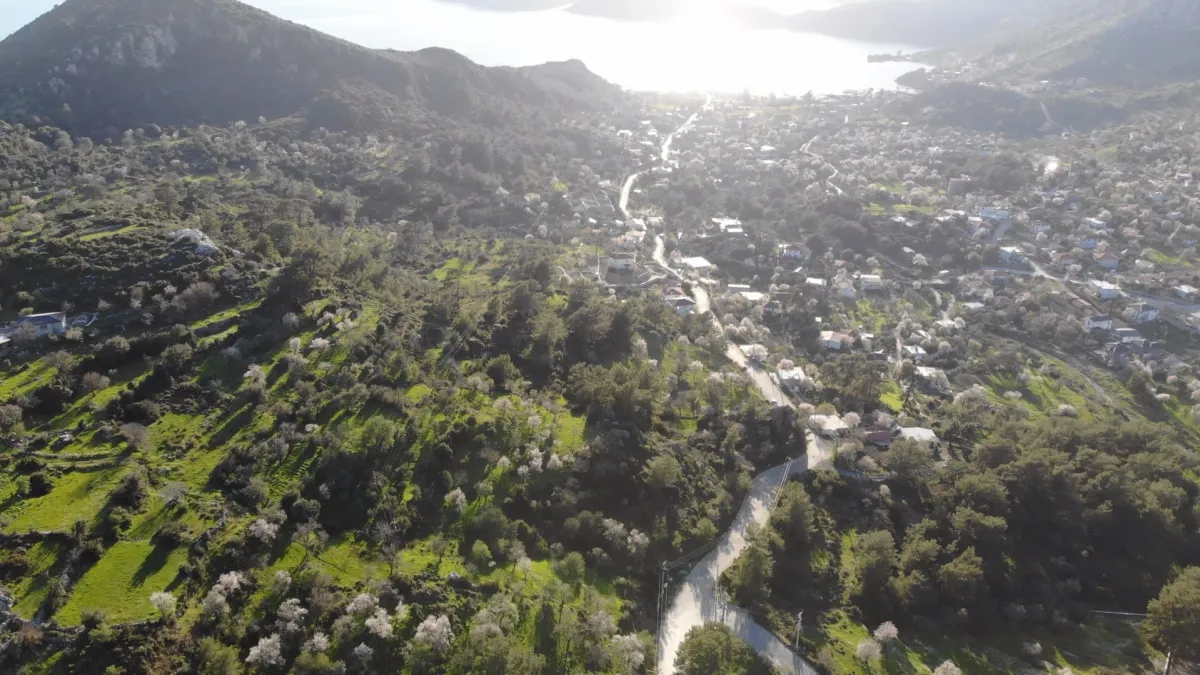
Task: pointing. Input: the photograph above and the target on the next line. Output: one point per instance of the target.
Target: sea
(697, 53)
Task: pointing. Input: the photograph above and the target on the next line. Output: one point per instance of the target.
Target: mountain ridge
(102, 65)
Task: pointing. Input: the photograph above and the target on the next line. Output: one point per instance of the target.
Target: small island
(886, 58)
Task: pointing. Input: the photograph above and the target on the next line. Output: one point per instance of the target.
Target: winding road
(623, 204)
(697, 600)
(810, 153)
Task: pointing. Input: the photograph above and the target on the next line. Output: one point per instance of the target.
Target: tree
(663, 472)
(713, 649)
(1173, 623)
(164, 603)
(962, 576)
(136, 436)
(750, 575)
(909, 460)
(572, 568)
(93, 382)
(874, 554)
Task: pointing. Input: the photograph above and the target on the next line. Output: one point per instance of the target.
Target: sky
(16, 13)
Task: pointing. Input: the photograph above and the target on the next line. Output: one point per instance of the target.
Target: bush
(39, 484)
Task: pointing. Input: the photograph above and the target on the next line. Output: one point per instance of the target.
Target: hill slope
(106, 65)
(1115, 41)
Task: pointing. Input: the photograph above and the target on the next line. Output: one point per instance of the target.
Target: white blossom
(268, 652)
(363, 604)
(628, 651)
(379, 624)
(435, 631)
(317, 643)
(163, 602)
(456, 500)
(886, 631)
(291, 615)
(281, 582)
(215, 604)
(364, 652)
(263, 530)
(868, 651)
(948, 668)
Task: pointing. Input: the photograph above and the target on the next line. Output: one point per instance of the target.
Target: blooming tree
(435, 632)
(164, 603)
(268, 652)
(868, 651)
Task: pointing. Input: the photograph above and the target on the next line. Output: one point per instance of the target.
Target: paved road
(697, 602)
(828, 181)
(666, 153)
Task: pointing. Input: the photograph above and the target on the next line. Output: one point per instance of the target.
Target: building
(1089, 243)
(793, 381)
(1126, 335)
(1098, 322)
(1106, 259)
(834, 340)
(1142, 312)
(1095, 223)
(1185, 292)
(921, 435)
(54, 323)
(994, 214)
(933, 380)
(871, 282)
(972, 307)
(699, 264)
(829, 426)
(1011, 255)
(622, 262)
(915, 352)
(815, 282)
(1062, 258)
(682, 304)
(1105, 290)
(846, 289)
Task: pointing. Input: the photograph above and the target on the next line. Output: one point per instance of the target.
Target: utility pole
(799, 627)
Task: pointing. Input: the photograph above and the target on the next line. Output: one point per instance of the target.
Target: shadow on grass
(153, 563)
(231, 426)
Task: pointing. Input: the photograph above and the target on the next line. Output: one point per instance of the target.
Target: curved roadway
(698, 600)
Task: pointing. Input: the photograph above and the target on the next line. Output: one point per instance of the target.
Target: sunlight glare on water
(701, 52)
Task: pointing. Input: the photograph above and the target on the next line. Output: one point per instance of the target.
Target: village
(924, 256)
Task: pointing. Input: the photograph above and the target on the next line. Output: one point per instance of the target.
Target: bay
(700, 53)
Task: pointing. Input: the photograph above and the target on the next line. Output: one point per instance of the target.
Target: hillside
(928, 23)
(1126, 42)
(103, 66)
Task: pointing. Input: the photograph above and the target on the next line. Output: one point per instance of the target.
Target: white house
(622, 261)
(1098, 322)
(1142, 312)
(53, 323)
(1011, 255)
(871, 282)
(1185, 292)
(921, 435)
(915, 352)
(699, 264)
(1105, 290)
(834, 340)
(1095, 223)
(829, 426)
(818, 283)
(793, 380)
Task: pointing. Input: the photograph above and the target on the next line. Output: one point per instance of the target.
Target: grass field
(77, 495)
(1089, 648)
(45, 562)
(120, 584)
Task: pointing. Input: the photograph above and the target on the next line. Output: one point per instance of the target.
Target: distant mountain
(926, 23)
(1127, 42)
(102, 66)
